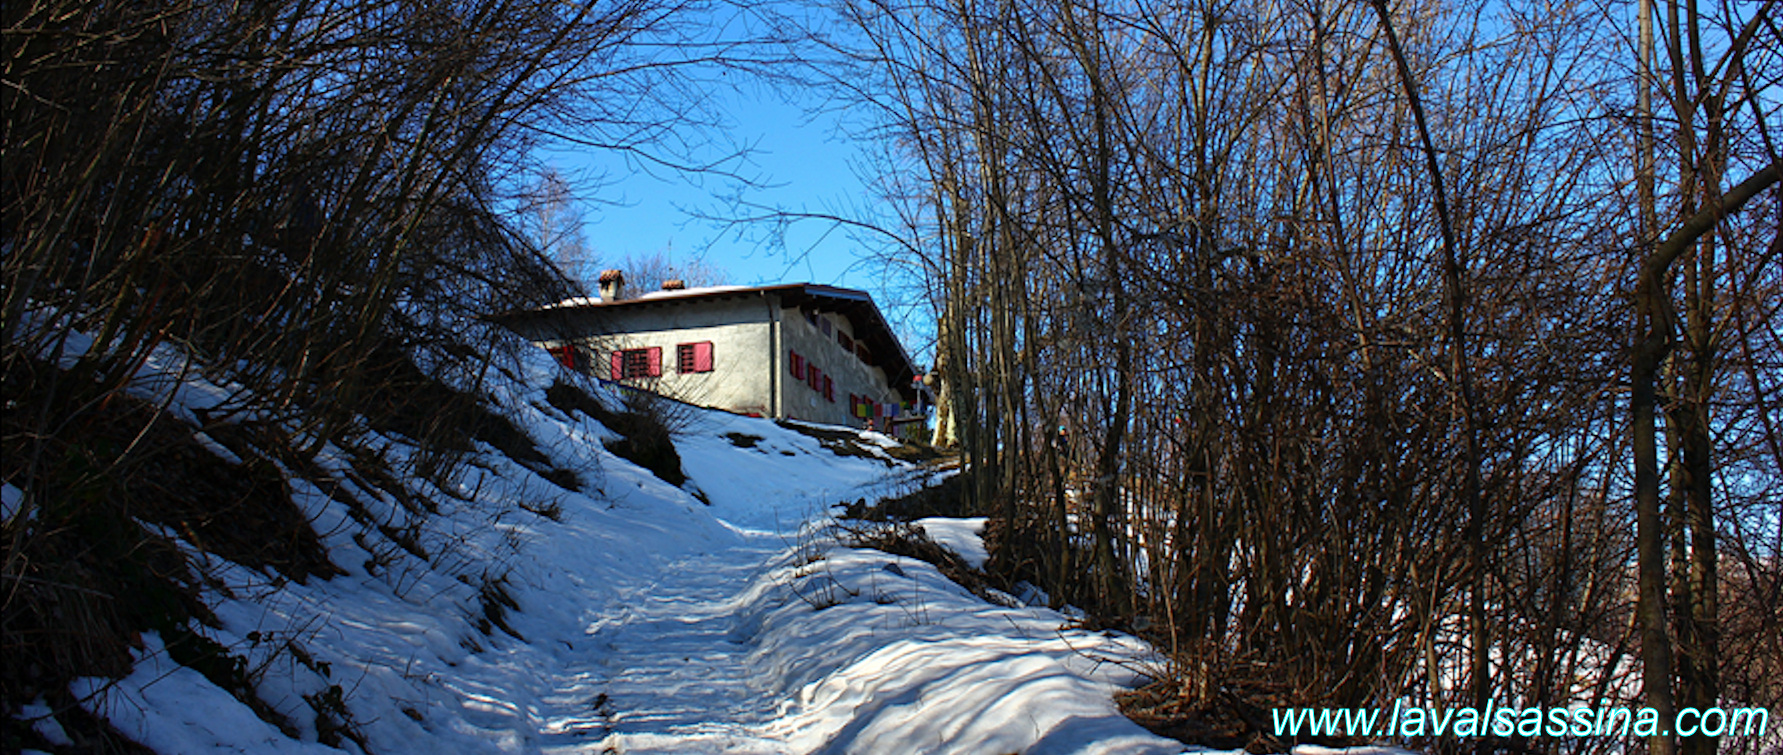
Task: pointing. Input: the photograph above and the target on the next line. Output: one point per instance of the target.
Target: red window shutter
(798, 366)
(829, 389)
(566, 355)
(656, 361)
(702, 356)
(814, 376)
(618, 365)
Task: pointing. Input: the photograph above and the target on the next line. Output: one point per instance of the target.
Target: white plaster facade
(762, 344)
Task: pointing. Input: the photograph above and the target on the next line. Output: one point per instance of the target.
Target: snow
(965, 537)
(648, 620)
(12, 501)
(44, 723)
(684, 292)
(584, 301)
(907, 661)
(171, 708)
(574, 301)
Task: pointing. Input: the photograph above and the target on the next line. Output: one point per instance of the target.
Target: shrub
(647, 425)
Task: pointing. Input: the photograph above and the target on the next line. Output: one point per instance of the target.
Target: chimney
(674, 285)
(612, 285)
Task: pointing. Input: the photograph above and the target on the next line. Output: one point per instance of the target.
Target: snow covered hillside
(611, 612)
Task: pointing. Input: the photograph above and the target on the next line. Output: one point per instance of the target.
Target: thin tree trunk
(1461, 387)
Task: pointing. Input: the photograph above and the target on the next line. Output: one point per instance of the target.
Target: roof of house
(870, 326)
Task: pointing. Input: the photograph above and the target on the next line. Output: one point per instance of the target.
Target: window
(566, 355)
(814, 377)
(829, 389)
(637, 363)
(798, 366)
(824, 322)
(860, 350)
(846, 342)
(693, 357)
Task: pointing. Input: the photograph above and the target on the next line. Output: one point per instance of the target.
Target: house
(792, 351)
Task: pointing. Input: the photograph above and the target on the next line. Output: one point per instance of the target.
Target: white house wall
(850, 374)
(741, 347)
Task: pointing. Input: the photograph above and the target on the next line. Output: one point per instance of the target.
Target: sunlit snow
(652, 621)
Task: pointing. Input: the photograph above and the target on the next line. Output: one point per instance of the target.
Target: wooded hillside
(1343, 346)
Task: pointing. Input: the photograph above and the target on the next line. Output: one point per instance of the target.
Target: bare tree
(1291, 330)
(653, 271)
(556, 227)
(314, 199)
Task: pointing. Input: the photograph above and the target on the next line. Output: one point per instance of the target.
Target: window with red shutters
(814, 377)
(829, 389)
(693, 357)
(637, 363)
(566, 355)
(798, 366)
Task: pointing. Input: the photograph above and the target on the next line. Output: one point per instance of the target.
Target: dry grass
(1226, 706)
(647, 424)
(911, 541)
(84, 576)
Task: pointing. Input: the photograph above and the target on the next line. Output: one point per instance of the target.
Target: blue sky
(801, 162)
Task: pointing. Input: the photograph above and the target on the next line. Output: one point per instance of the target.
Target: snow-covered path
(630, 616)
(764, 635)
(672, 673)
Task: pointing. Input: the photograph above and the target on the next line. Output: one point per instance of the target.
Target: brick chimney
(612, 285)
(674, 285)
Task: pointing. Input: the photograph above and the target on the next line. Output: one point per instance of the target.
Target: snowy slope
(634, 618)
